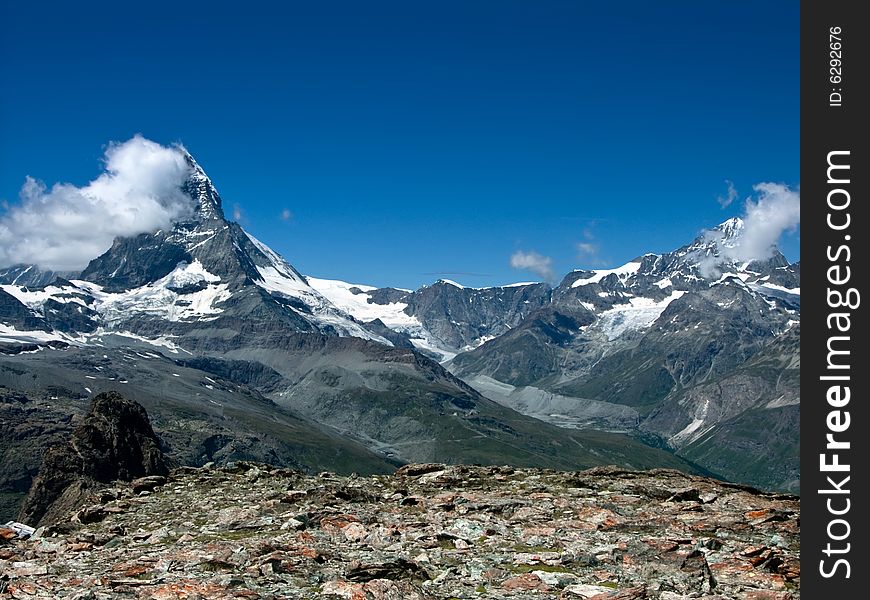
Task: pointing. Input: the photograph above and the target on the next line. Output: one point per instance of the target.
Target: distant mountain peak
(200, 187)
(450, 282)
(731, 229)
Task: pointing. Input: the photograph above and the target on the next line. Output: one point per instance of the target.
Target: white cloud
(64, 227)
(589, 251)
(237, 212)
(730, 197)
(775, 211)
(534, 262)
(286, 215)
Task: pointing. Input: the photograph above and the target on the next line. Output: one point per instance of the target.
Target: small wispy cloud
(64, 227)
(534, 262)
(589, 250)
(286, 215)
(731, 195)
(237, 213)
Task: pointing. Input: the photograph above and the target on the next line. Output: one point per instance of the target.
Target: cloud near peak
(534, 262)
(775, 210)
(64, 227)
(725, 201)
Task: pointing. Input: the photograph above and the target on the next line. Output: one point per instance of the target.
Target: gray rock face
(532, 351)
(119, 270)
(70, 310)
(442, 319)
(461, 317)
(30, 276)
(15, 314)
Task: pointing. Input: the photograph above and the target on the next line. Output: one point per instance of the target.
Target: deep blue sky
(415, 140)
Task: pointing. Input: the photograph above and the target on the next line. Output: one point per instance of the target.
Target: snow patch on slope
(429, 344)
(638, 313)
(34, 299)
(623, 272)
(355, 300)
(779, 288)
(283, 280)
(190, 274)
(10, 334)
(159, 301)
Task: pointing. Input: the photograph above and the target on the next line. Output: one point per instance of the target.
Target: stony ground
(429, 531)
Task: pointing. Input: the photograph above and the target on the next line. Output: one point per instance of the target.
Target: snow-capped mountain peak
(202, 269)
(201, 189)
(731, 230)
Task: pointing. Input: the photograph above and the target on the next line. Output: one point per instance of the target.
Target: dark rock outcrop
(115, 441)
(18, 316)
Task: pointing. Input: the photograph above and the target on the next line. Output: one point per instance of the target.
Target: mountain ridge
(246, 354)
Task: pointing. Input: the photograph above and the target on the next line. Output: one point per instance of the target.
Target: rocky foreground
(428, 531)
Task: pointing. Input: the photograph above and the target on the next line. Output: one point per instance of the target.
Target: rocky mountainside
(440, 320)
(684, 350)
(424, 532)
(236, 356)
(30, 276)
(446, 318)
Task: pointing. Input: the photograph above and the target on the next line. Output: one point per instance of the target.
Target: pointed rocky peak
(725, 234)
(731, 230)
(199, 187)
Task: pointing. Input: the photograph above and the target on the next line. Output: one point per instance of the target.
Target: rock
(584, 590)
(293, 524)
(253, 474)
(343, 589)
(525, 582)
(115, 441)
(91, 514)
(147, 484)
(397, 569)
(240, 518)
(686, 495)
(354, 532)
(415, 470)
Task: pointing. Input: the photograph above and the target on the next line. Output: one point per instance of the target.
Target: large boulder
(115, 441)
